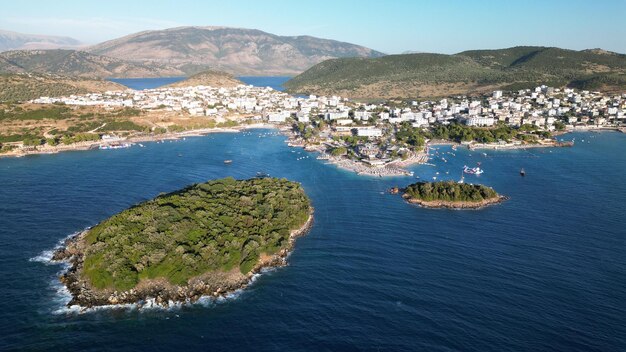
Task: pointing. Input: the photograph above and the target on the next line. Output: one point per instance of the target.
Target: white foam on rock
(63, 296)
(45, 257)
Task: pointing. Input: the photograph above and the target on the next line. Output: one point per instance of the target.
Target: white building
(362, 115)
(369, 132)
(344, 122)
(280, 116)
(420, 122)
(302, 116)
(334, 115)
(480, 121)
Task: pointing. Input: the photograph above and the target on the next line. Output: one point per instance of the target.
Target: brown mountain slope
(234, 50)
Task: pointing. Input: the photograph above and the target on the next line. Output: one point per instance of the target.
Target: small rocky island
(208, 239)
(450, 194)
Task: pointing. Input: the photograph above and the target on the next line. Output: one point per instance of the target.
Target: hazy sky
(388, 26)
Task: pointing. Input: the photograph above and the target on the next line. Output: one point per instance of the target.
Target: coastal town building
(369, 131)
(543, 107)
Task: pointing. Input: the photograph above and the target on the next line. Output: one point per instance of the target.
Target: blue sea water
(275, 82)
(146, 83)
(544, 271)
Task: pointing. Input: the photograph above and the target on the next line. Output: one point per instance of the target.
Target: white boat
(472, 170)
(115, 146)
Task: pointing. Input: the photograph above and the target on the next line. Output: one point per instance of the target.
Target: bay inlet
(373, 271)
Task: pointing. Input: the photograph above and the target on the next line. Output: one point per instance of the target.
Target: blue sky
(389, 26)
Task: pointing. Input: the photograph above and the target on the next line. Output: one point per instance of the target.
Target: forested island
(206, 239)
(450, 194)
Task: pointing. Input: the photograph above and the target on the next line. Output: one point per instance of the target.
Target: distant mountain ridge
(474, 71)
(79, 64)
(235, 50)
(20, 41)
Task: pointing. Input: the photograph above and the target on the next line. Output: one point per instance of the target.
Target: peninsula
(208, 78)
(208, 239)
(450, 194)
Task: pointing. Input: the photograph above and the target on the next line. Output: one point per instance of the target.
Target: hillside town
(543, 107)
(366, 138)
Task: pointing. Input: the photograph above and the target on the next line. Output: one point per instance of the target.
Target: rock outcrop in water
(450, 194)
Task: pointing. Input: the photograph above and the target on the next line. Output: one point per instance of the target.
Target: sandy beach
(396, 168)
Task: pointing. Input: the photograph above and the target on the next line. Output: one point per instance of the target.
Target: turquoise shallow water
(543, 271)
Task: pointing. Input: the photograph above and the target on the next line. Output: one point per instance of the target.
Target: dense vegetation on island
(434, 75)
(449, 191)
(219, 225)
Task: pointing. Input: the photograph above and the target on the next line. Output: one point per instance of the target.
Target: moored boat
(115, 146)
(472, 170)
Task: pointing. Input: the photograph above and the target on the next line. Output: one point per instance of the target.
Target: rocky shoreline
(438, 204)
(159, 291)
(81, 146)
(482, 146)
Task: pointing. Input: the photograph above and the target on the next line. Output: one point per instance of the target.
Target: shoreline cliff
(214, 284)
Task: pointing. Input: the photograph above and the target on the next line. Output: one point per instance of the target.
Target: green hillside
(423, 67)
(548, 59)
(427, 75)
